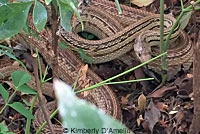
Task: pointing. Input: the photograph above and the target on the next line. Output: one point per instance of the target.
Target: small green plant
(19, 86)
(19, 80)
(87, 36)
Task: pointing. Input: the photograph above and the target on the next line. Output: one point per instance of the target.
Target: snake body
(118, 33)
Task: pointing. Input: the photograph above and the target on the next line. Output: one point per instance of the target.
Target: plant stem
(128, 81)
(28, 123)
(162, 47)
(42, 126)
(118, 7)
(173, 27)
(8, 101)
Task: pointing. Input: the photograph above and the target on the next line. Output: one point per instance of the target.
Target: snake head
(142, 51)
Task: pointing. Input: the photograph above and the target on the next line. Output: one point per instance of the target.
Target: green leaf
(4, 93)
(13, 57)
(13, 18)
(39, 16)
(90, 37)
(22, 110)
(72, 4)
(84, 56)
(47, 2)
(87, 36)
(66, 8)
(77, 113)
(65, 16)
(9, 54)
(2, 46)
(3, 128)
(62, 45)
(26, 89)
(185, 19)
(2, 75)
(84, 34)
(26, 102)
(9, 133)
(19, 78)
(26, 30)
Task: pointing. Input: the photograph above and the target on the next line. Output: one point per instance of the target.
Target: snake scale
(117, 34)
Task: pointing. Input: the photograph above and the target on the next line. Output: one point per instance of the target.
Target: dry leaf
(124, 100)
(165, 107)
(15, 63)
(152, 115)
(84, 70)
(72, 19)
(162, 91)
(163, 123)
(141, 102)
(161, 105)
(191, 96)
(141, 3)
(139, 120)
(85, 93)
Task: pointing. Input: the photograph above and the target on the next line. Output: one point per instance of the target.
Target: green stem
(190, 6)
(3, 108)
(6, 104)
(182, 6)
(39, 65)
(118, 7)
(128, 81)
(28, 123)
(162, 47)
(45, 73)
(198, 8)
(173, 27)
(42, 126)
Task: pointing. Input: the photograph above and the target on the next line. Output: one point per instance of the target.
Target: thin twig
(42, 105)
(54, 19)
